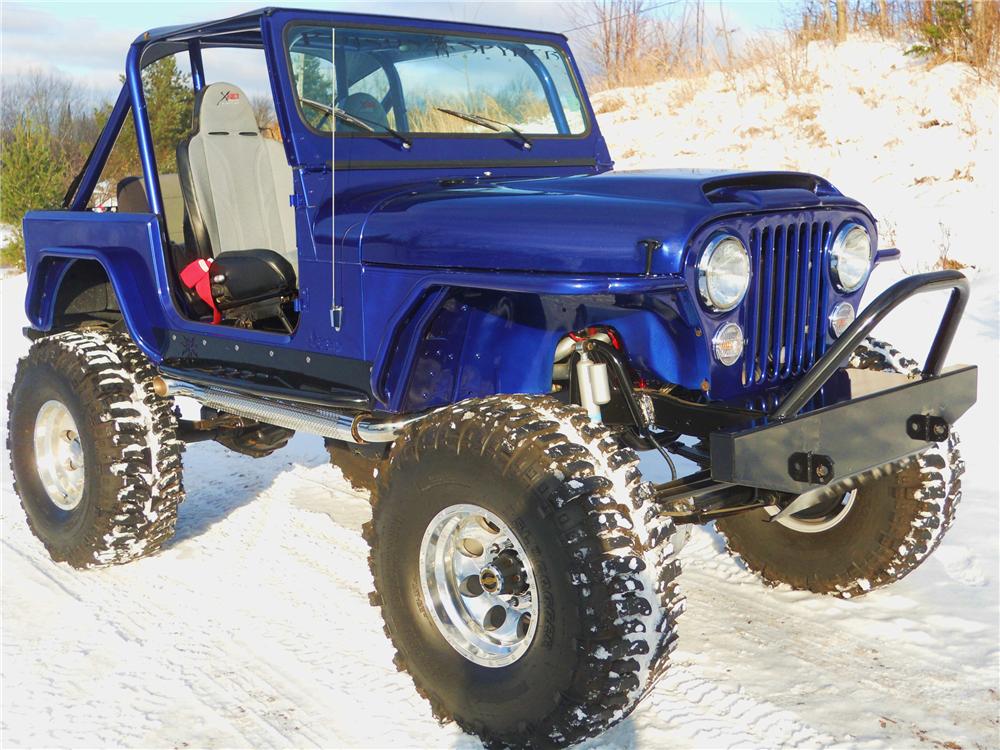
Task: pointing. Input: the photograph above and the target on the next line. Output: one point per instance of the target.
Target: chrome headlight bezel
(843, 269)
(711, 297)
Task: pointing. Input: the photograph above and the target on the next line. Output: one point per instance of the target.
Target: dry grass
(520, 108)
(803, 112)
(945, 261)
(609, 103)
(814, 134)
(684, 93)
(776, 64)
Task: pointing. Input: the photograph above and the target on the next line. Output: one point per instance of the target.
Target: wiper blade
(352, 120)
(362, 124)
(490, 123)
(371, 126)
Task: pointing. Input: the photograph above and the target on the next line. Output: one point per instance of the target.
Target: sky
(87, 41)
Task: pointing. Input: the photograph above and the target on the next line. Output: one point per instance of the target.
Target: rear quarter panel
(123, 245)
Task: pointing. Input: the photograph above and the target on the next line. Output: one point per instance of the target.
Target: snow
(253, 627)
(917, 146)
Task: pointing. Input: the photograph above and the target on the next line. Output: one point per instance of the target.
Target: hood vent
(740, 188)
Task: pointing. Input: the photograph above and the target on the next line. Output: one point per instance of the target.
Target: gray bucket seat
(236, 183)
(236, 186)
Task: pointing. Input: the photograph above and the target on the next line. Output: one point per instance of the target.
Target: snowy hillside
(253, 627)
(917, 146)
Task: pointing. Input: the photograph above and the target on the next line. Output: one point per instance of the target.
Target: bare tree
(841, 20)
(618, 33)
(263, 112)
(884, 21)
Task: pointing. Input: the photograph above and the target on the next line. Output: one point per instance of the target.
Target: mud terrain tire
(601, 554)
(131, 484)
(896, 521)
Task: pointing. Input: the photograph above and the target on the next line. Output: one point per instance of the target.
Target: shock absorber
(593, 383)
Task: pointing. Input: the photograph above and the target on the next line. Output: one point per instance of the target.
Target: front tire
(93, 449)
(877, 536)
(555, 505)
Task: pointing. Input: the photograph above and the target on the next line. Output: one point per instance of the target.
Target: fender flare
(136, 294)
(397, 355)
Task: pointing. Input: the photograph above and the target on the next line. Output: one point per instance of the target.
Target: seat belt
(196, 276)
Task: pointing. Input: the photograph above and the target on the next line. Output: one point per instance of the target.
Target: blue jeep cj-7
(431, 263)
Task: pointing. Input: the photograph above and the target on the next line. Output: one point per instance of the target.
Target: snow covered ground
(253, 628)
(918, 146)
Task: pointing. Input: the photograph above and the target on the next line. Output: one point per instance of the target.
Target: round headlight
(723, 273)
(727, 343)
(851, 257)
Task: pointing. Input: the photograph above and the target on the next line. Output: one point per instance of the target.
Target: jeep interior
(245, 236)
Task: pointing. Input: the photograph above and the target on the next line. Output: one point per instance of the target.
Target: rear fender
(122, 244)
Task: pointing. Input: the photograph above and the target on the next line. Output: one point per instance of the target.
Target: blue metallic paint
(461, 263)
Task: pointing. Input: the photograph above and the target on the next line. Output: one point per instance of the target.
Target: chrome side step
(359, 427)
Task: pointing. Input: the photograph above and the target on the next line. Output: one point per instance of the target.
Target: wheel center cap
(491, 579)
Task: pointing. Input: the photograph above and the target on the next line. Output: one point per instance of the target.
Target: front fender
(470, 335)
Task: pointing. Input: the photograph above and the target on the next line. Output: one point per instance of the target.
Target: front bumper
(887, 418)
(835, 423)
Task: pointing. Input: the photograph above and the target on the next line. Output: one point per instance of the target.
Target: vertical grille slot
(786, 331)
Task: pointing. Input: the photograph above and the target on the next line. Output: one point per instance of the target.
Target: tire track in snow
(224, 648)
(825, 652)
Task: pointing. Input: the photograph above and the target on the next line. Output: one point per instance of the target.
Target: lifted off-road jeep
(434, 266)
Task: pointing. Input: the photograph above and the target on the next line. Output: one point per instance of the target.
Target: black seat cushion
(241, 277)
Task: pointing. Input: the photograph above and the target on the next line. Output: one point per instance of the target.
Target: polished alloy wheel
(59, 455)
(819, 518)
(478, 585)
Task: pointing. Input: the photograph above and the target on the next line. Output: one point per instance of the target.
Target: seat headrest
(224, 108)
(366, 108)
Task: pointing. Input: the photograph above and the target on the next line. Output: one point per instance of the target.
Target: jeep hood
(587, 224)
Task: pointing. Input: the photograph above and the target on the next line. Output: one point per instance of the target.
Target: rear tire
(895, 521)
(114, 494)
(585, 532)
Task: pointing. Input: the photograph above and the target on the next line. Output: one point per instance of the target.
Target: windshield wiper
(370, 126)
(358, 122)
(352, 120)
(490, 124)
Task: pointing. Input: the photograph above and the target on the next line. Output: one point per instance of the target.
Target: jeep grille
(786, 326)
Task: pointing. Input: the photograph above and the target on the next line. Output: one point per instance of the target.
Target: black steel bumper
(879, 419)
(836, 442)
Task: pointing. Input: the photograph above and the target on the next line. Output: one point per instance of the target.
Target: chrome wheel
(59, 455)
(478, 585)
(819, 518)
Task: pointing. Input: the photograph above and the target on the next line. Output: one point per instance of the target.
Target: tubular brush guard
(784, 450)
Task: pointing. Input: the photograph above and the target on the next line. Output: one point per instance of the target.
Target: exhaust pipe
(351, 428)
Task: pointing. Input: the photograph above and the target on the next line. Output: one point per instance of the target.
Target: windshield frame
(561, 49)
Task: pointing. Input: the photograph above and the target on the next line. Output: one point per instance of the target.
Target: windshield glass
(403, 81)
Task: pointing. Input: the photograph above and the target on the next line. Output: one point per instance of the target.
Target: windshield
(405, 82)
